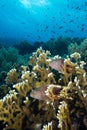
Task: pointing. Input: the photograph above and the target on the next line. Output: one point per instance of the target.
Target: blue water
(40, 20)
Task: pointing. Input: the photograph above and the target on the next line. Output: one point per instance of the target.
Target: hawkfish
(57, 64)
(39, 93)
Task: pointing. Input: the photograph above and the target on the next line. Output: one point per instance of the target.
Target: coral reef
(10, 57)
(66, 92)
(82, 49)
(7, 58)
(54, 45)
(24, 47)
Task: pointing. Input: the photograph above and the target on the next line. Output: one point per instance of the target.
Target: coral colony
(48, 94)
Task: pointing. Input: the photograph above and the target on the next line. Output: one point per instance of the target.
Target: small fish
(53, 17)
(82, 29)
(39, 93)
(71, 31)
(3, 5)
(85, 3)
(22, 22)
(77, 8)
(60, 27)
(48, 8)
(72, 7)
(82, 24)
(38, 37)
(46, 27)
(57, 64)
(68, 14)
(66, 31)
(53, 32)
(64, 21)
(77, 17)
(28, 35)
(71, 21)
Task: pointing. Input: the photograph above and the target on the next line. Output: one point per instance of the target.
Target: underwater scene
(43, 64)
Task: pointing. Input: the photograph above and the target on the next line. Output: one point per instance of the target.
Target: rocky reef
(50, 93)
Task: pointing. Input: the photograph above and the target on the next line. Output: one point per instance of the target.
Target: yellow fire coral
(53, 92)
(12, 77)
(10, 111)
(64, 117)
(48, 127)
(65, 91)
